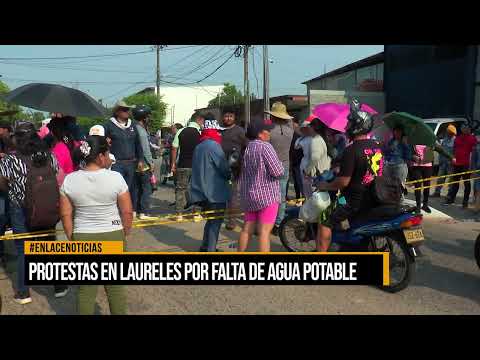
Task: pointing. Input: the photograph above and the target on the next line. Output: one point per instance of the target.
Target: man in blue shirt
(396, 154)
(209, 183)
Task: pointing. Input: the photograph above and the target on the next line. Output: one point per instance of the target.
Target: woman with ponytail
(15, 170)
(95, 205)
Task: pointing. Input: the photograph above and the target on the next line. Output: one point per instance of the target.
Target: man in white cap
(281, 140)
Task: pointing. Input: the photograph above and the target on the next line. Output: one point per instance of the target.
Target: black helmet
(359, 122)
(140, 112)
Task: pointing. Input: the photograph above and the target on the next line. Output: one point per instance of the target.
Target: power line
(187, 56)
(54, 67)
(123, 90)
(218, 68)
(180, 47)
(90, 82)
(213, 72)
(205, 63)
(81, 57)
(94, 56)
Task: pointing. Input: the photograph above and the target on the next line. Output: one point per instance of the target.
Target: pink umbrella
(335, 115)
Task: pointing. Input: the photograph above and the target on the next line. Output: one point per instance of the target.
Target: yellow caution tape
(442, 176)
(187, 218)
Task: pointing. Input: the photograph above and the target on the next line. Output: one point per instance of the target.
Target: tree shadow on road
(63, 306)
(462, 247)
(454, 210)
(161, 207)
(174, 237)
(448, 281)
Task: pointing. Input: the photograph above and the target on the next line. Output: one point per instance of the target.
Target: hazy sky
(110, 78)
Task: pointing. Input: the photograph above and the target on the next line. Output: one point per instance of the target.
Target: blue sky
(111, 78)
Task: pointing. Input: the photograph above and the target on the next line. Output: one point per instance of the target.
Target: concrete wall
(182, 101)
(374, 99)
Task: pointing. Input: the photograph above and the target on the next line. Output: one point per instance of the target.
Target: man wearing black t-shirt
(233, 140)
(361, 162)
(184, 143)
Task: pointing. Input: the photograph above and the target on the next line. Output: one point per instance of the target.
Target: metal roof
(371, 60)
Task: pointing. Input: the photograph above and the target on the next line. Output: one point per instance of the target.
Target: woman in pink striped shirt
(259, 185)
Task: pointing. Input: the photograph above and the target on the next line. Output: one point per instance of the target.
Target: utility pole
(158, 48)
(158, 72)
(246, 86)
(266, 82)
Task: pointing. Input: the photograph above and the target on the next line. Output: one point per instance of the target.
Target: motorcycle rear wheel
(292, 233)
(400, 256)
(477, 250)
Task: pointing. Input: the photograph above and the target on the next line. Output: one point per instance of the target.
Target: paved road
(447, 281)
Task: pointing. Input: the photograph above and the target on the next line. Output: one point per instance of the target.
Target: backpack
(387, 190)
(42, 197)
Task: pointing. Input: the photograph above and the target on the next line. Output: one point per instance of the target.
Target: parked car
(439, 127)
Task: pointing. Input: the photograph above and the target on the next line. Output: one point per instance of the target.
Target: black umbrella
(56, 98)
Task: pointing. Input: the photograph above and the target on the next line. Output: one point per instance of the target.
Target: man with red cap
(209, 186)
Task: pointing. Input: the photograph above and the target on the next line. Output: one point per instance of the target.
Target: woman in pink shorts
(259, 185)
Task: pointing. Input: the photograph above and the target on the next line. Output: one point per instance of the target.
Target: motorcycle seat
(383, 212)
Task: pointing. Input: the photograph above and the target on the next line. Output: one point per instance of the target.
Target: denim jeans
(298, 182)
(4, 216)
(17, 217)
(143, 191)
(399, 171)
(212, 227)
(283, 192)
(183, 176)
(127, 170)
(444, 168)
(18, 226)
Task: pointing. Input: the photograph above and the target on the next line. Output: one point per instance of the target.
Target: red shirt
(462, 149)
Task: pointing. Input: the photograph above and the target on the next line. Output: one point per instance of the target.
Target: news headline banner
(100, 263)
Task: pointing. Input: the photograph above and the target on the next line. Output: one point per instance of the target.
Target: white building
(182, 100)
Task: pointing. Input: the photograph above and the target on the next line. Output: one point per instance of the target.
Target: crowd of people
(105, 179)
(94, 183)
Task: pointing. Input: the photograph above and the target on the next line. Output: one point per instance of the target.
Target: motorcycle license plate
(413, 235)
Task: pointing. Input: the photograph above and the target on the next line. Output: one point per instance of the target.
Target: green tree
(6, 106)
(159, 108)
(230, 95)
(86, 123)
(38, 117)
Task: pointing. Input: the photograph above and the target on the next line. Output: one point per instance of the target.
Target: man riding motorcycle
(361, 162)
